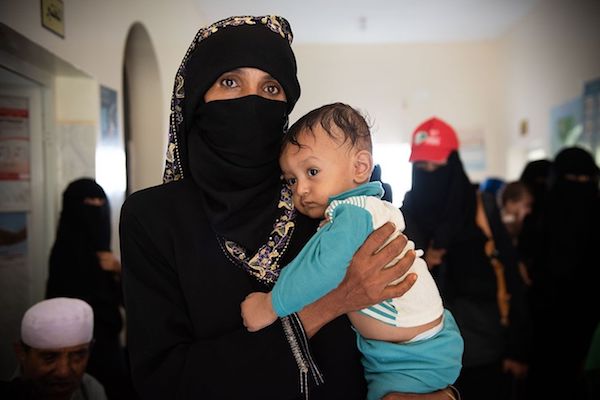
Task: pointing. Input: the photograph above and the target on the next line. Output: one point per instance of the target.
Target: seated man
(56, 339)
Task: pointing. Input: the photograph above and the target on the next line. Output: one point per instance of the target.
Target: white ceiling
(381, 21)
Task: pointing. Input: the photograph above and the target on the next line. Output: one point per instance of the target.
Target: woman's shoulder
(181, 191)
(178, 196)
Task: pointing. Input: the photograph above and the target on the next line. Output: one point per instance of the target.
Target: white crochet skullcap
(57, 323)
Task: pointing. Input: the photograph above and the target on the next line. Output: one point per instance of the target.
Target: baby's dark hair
(351, 122)
(513, 191)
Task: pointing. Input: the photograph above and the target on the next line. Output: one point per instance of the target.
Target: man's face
(53, 373)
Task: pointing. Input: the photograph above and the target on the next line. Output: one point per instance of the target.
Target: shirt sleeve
(322, 263)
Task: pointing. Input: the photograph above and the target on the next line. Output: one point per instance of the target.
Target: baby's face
(320, 168)
(519, 208)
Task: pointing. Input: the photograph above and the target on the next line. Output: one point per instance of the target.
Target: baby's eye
(313, 172)
(291, 181)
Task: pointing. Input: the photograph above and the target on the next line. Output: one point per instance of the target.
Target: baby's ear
(363, 166)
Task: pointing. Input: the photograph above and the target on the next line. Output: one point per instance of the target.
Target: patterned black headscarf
(210, 55)
(230, 148)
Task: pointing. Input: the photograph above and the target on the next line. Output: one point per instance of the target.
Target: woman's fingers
(367, 279)
(400, 288)
(392, 250)
(395, 272)
(399, 268)
(375, 240)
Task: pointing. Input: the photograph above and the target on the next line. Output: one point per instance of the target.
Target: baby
(408, 344)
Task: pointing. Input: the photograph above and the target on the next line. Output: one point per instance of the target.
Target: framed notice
(53, 16)
(566, 127)
(14, 154)
(109, 132)
(591, 115)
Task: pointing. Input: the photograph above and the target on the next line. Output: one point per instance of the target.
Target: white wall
(96, 31)
(549, 55)
(479, 87)
(147, 144)
(400, 85)
(95, 42)
(486, 87)
(77, 108)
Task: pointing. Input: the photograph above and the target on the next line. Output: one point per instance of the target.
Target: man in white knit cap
(56, 340)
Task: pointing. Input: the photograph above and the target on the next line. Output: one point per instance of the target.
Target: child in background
(408, 344)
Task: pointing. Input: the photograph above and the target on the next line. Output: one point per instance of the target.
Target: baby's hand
(257, 311)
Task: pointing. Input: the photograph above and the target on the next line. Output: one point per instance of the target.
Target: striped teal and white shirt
(322, 263)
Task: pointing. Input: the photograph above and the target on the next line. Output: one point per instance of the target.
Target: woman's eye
(272, 89)
(313, 172)
(228, 82)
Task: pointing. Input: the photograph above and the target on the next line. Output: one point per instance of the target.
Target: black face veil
(440, 203)
(80, 220)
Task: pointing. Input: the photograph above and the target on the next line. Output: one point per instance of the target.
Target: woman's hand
(108, 261)
(516, 368)
(366, 280)
(434, 257)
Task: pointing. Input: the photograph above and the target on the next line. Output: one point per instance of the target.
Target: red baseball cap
(433, 140)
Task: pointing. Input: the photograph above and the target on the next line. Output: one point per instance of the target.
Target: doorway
(22, 206)
(144, 125)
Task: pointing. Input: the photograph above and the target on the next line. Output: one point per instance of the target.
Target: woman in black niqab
(83, 235)
(440, 212)
(439, 205)
(536, 176)
(83, 230)
(566, 275)
(222, 227)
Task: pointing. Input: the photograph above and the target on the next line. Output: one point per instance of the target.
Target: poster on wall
(110, 152)
(566, 127)
(111, 172)
(14, 154)
(109, 129)
(591, 115)
(472, 149)
(577, 121)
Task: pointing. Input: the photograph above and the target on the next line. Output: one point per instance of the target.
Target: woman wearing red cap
(442, 211)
